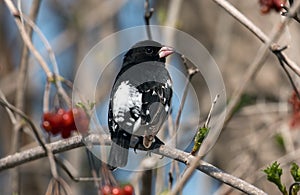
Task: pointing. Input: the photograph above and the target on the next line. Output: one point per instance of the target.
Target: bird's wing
(156, 100)
(125, 104)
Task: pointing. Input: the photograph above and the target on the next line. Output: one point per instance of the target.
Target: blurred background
(258, 134)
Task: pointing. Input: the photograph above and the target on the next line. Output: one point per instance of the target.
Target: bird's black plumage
(140, 100)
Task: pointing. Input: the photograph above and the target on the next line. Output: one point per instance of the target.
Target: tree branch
(78, 141)
(261, 54)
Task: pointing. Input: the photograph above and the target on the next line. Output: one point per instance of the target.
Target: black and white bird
(140, 100)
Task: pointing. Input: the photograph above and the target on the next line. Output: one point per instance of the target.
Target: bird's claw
(135, 147)
(138, 144)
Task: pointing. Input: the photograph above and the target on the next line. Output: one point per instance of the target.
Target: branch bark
(78, 141)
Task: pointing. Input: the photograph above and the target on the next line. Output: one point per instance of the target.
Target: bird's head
(148, 50)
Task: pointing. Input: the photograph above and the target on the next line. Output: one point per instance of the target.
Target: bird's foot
(138, 144)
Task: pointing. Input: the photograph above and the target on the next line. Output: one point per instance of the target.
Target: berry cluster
(295, 102)
(114, 190)
(267, 5)
(63, 121)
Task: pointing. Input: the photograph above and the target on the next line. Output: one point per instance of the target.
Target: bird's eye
(149, 50)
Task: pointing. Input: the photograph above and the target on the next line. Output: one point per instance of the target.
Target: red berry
(46, 125)
(116, 191)
(63, 121)
(277, 4)
(60, 111)
(56, 121)
(128, 190)
(68, 119)
(47, 116)
(65, 133)
(51, 122)
(106, 190)
(267, 5)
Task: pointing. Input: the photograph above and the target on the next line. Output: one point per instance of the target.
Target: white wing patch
(125, 97)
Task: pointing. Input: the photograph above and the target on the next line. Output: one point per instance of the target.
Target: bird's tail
(118, 154)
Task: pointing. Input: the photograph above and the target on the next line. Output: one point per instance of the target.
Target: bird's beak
(165, 51)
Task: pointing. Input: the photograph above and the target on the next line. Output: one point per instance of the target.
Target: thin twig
(282, 63)
(172, 133)
(36, 134)
(92, 167)
(211, 110)
(77, 141)
(295, 17)
(10, 113)
(26, 38)
(291, 64)
(191, 71)
(46, 97)
(20, 95)
(57, 186)
(57, 78)
(148, 14)
(44, 40)
(66, 167)
(52, 163)
(25, 117)
(21, 79)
